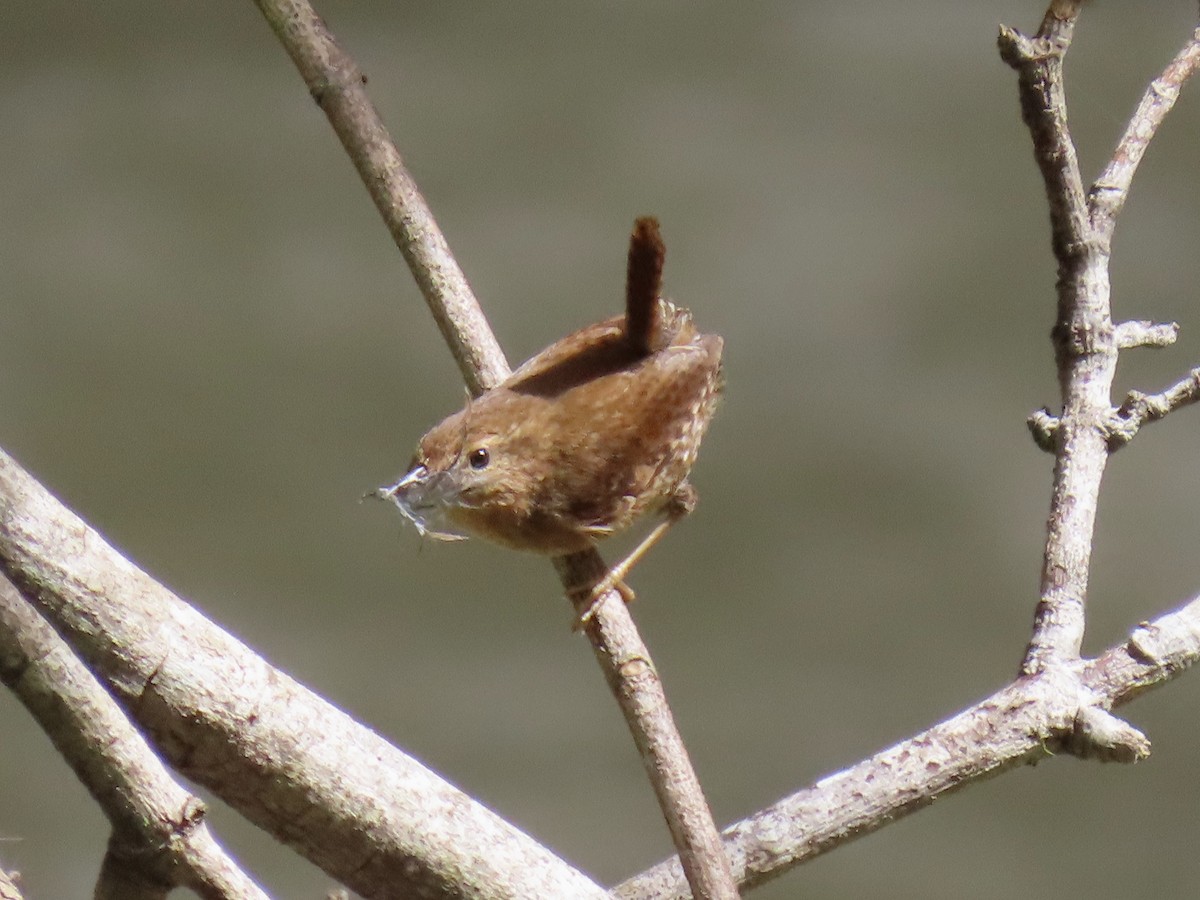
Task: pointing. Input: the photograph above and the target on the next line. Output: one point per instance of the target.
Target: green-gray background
(210, 349)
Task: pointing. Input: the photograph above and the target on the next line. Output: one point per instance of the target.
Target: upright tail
(643, 284)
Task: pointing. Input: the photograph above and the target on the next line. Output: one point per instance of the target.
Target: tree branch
(1109, 192)
(1026, 722)
(1143, 333)
(159, 838)
(8, 885)
(1085, 346)
(305, 772)
(635, 682)
(1085, 338)
(337, 85)
(1140, 409)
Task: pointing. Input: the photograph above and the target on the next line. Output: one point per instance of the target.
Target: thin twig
(373, 818)
(1042, 427)
(1140, 409)
(160, 839)
(337, 84)
(635, 682)
(1109, 192)
(1143, 333)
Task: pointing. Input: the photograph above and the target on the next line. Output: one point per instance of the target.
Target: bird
(596, 431)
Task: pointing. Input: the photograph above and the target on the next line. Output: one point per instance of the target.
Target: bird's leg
(680, 504)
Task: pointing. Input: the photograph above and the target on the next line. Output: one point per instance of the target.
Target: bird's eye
(479, 458)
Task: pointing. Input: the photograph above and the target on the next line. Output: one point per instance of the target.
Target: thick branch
(159, 837)
(341, 796)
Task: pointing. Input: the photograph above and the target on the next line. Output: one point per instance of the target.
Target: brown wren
(595, 431)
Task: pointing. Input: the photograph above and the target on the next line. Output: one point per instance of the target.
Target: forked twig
(1086, 340)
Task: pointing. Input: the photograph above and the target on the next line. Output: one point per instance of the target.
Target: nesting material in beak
(422, 498)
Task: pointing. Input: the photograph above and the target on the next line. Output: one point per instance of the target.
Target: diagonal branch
(1025, 722)
(373, 818)
(8, 885)
(1109, 192)
(337, 85)
(1139, 409)
(159, 838)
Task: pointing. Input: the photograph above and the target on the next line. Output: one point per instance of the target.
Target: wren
(592, 433)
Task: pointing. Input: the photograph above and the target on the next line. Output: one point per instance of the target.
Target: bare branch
(635, 683)
(1086, 341)
(1038, 62)
(1111, 189)
(1143, 333)
(370, 816)
(160, 839)
(1030, 720)
(1043, 427)
(1155, 653)
(8, 885)
(337, 85)
(1140, 409)
(1085, 346)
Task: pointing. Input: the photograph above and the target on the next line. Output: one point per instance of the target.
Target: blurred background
(210, 349)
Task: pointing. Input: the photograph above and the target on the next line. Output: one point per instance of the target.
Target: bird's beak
(414, 480)
(421, 496)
